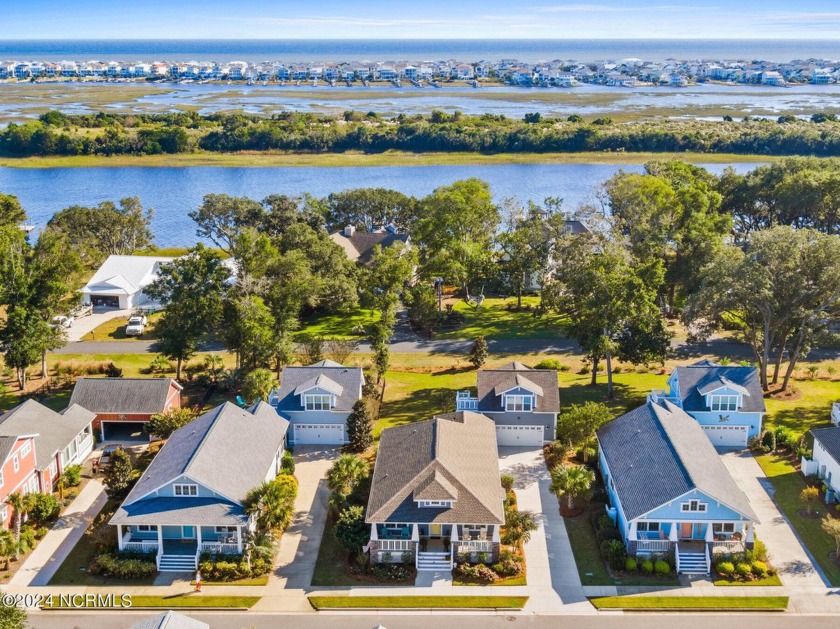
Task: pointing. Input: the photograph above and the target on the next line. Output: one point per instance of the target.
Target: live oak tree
(609, 298)
(192, 289)
(369, 208)
(576, 426)
(523, 247)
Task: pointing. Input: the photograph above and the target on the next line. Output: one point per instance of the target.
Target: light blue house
(190, 499)
(668, 489)
(727, 401)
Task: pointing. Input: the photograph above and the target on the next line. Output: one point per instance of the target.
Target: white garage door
(519, 435)
(331, 434)
(727, 435)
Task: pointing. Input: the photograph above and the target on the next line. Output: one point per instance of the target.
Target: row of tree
(110, 134)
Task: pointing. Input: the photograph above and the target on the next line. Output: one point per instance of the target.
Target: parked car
(62, 321)
(83, 311)
(142, 316)
(135, 326)
(105, 458)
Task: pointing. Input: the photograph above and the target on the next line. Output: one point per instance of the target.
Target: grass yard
(778, 603)
(338, 326)
(114, 330)
(494, 321)
(766, 581)
(418, 602)
(788, 483)
(193, 600)
(813, 409)
(518, 580)
(591, 567)
(263, 580)
(329, 567)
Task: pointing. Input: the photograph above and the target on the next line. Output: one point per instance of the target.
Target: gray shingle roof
(706, 376)
(829, 437)
(228, 450)
(454, 453)
(123, 395)
(658, 453)
(7, 444)
(359, 246)
(350, 380)
(169, 510)
(492, 382)
(54, 430)
(170, 620)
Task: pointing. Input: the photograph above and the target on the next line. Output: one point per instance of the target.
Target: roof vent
(349, 230)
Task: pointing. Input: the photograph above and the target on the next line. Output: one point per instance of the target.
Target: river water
(173, 192)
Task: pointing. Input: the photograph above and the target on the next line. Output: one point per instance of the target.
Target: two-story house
(190, 499)
(523, 402)
(825, 460)
(60, 439)
(17, 471)
(317, 400)
(123, 406)
(668, 489)
(436, 481)
(726, 400)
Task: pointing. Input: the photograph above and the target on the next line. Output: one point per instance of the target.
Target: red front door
(685, 530)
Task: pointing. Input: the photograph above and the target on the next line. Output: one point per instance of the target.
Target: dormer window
(519, 403)
(317, 402)
(693, 506)
(439, 504)
(724, 402)
(185, 490)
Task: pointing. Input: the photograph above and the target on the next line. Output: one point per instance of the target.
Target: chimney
(349, 230)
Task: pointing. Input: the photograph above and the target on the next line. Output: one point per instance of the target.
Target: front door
(188, 532)
(435, 530)
(699, 531)
(685, 530)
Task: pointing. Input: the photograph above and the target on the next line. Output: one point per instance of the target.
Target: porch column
(119, 537)
(198, 537)
(239, 539)
(710, 535)
(415, 533)
(160, 539)
(497, 534)
(373, 534)
(634, 532)
(674, 534)
(453, 544)
(750, 530)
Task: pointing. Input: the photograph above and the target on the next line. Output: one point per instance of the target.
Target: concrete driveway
(553, 578)
(787, 553)
(299, 545)
(84, 325)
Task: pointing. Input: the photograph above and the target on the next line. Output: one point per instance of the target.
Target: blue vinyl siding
(715, 511)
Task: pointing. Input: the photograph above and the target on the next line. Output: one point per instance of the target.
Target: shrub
(72, 475)
(768, 440)
(647, 566)
(759, 569)
(630, 565)
(27, 537)
(407, 557)
(109, 565)
(661, 567)
(41, 531)
(614, 553)
(548, 363)
(785, 440)
(112, 371)
(287, 463)
(726, 568)
(760, 551)
(583, 370)
(477, 572)
(508, 565)
(507, 482)
(160, 364)
(564, 368)
(743, 570)
(44, 507)
(608, 533)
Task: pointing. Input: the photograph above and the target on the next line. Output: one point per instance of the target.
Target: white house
(825, 461)
(120, 281)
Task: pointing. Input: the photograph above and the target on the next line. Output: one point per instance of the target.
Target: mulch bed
(351, 570)
(791, 395)
(570, 513)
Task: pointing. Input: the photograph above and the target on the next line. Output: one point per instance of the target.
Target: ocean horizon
(468, 50)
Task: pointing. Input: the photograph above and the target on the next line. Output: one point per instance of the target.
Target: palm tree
(345, 474)
(7, 546)
(20, 503)
(273, 502)
(573, 482)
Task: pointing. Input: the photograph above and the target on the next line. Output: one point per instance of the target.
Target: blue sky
(358, 19)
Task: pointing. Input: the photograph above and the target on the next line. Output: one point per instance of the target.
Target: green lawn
(192, 600)
(518, 580)
(114, 330)
(329, 567)
(813, 409)
(338, 326)
(418, 602)
(591, 567)
(766, 581)
(691, 602)
(788, 483)
(494, 321)
(263, 580)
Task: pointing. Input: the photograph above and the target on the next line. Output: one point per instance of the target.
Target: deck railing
(727, 546)
(220, 548)
(653, 546)
(465, 402)
(144, 546)
(395, 544)
(475, 546)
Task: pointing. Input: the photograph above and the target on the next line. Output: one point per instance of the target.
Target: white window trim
(25, 450)
(721, 527)
(16, 463)
(188, 490)
(693, 506)
(225, 529)
(436, 503)
(316, 401)
(147, 528)
(645, 527)
(723, 402)
(525, 402)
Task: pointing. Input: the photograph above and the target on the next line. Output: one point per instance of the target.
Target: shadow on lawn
(626, 398)
(421, 404)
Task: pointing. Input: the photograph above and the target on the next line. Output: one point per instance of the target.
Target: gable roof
(53, 431)
(228, 450)
(829, 438)
(7, 444)
(657, 454)
(493, 382)
(705, 376)
(128, 274)
(359, 246)
(451, 456)
(344, 382)
(139, 396)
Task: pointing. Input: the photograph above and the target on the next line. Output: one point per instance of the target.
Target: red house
(17, 472)
(123, 406)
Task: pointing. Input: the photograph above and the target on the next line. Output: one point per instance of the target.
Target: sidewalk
(45, 560)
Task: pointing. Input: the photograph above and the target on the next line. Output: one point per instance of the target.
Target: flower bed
(748, 567)
(231, 567)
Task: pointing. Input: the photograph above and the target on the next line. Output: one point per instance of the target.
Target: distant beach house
(359, 245)
(522, 402)
(317, 400)
(727, 401)
(190, 499)
(668, 489)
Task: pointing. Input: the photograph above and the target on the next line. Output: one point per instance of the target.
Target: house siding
(736, 418)
(715, 512)
(169, 491)
(828, 469)
(534, 418)
(18, 481)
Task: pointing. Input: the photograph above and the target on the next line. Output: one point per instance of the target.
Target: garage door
(124, 431)
(727, 436)
(319, 433)
(519, 435)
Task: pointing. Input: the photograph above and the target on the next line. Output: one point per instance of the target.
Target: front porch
(659, 537)
(388, 541)
(174, 544)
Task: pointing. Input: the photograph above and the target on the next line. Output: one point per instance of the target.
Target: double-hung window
(26, 449)
(724, 402)
(723, 527)
(693, 506)
(16, 462)
(647, 527)
(147, 528)
(519, 403)
(318, 402)
(186, 490)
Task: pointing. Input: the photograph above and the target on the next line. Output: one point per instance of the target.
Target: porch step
(693, 563)
(438, 561)
(177, 563)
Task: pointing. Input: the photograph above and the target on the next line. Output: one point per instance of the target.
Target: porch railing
(144, 546)
(474, 545)
(396, 544)
(465, 402)
(653, 546)
(220, 548)
(727, 546)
